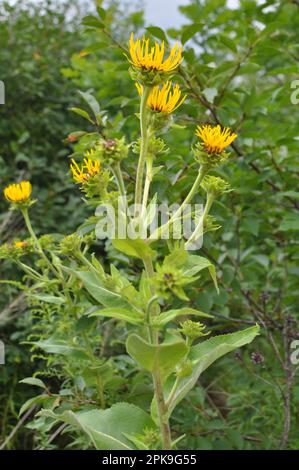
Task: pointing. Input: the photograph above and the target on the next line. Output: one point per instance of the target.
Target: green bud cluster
(170, 280)
(47, 242)
(156, 146)
(215, 185)
(13, 251)
(209, 159)
(149, 78)
(209, 224)
(193, 330)
(71, 245)
(97, 185)
(109, 151)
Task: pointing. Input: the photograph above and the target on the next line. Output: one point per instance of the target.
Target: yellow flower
(82, 173)
(20, 244)
(144, 57)
(18, 192)
(215, 139)
(163, 100)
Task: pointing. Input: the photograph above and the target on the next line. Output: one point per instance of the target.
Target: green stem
(147, 184)
(88, 264)
(119, 178)
(172, 393)
(162, 411)
(143, 145)
(148, 317)
(97, 375)
(37, 243)
(31, 272)
(158, 387)
(161, 230)
(199, 228)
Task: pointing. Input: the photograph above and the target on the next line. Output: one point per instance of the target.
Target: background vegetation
(238, 68)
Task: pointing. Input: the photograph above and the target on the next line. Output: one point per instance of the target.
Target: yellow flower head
(82, 173)
(146, 58)
(165, 99)
(18, 192)
(215, 139)
(21, 244)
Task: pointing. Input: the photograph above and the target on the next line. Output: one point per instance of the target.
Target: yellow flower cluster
(166, 98)
(82, 173)
(18, 192)
(163, 99)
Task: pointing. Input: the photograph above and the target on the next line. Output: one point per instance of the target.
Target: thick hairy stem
(161, 404)
(161, 230)
(143, 145)
(162, 411)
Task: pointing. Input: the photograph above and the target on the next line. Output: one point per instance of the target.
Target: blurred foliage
(37, 41)
(238, 68)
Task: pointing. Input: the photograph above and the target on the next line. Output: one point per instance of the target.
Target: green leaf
(137, 248)
(54, 345)
(157, 33)
(177, 257)
(107, 428)
(33, 381)
(204, 354)
(228, 42)
(164, 356)
(50, 299)
(101, 12)
(94, 285)
(33, 401)
(92, 21)
(169, 315)
(196, 264)
(82, 113)
(129, 316)
(190, 31)
(91, 102)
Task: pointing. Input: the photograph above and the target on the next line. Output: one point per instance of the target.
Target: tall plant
(173, 351)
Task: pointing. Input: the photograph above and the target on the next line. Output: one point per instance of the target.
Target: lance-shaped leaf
(195, 264)
(94, 285)
(169, 315)
(127, 315)
(164, 356)
(107, 428)
(204, 354)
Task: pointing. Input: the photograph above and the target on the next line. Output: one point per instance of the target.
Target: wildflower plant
(151, 311)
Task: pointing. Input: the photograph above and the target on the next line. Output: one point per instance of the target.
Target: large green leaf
(170, 315)
(94, 285)
(107, 428)
(137, 248)
(204, 354)
(127, 315)
(164, 356)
